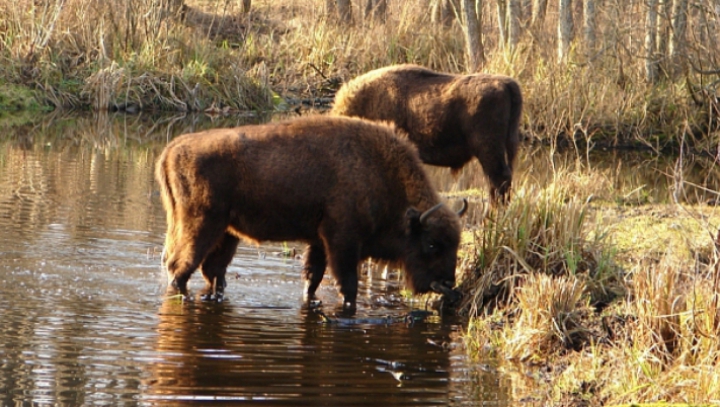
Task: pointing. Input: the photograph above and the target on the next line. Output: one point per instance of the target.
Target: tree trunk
(525, 11)
(246, 6)
(330, 8)
(651, 63)
(444, 11)
(376, 9)
(565, 28)
(589, 25)
(677, 36)
(502, 20)
(344, 8)
(474, 51)
(513, 23)
(663, 27)
(539, 10)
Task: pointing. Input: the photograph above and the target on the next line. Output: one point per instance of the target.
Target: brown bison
(348, 187)
(450, 118)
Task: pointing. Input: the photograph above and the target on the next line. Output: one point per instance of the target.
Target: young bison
(349, 188)
(450, 118)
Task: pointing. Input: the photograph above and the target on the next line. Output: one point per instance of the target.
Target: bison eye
(433, 247)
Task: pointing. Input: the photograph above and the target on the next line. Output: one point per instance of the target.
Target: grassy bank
(136, 55)
(588, 294)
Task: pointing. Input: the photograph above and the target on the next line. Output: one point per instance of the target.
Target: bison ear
(412, 222)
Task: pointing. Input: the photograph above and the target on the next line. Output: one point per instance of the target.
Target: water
(84, 319)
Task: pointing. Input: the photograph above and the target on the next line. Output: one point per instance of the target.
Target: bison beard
(347, 187)
(450, 118)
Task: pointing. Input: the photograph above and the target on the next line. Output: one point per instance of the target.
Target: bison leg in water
(314, 269)
(343, 263)
(215, 264)
(193, 241)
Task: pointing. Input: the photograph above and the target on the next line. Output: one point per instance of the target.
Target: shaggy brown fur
(348, 187)
(451, 118)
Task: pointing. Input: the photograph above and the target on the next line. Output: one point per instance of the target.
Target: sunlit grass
(593, 301)
(138, 54)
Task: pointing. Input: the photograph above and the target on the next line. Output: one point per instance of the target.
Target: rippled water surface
(84, 319)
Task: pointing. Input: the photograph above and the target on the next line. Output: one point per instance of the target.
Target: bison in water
(450, 118)
(348, 187)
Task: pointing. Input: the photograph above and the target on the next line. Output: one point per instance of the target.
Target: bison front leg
(215, 265)
(314, 269)
(344, 260)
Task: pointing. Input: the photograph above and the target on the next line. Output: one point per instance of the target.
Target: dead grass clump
(542, 230)
(670, 350)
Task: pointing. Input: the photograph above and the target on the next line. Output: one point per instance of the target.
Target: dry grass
(582, 303)
(139, 54)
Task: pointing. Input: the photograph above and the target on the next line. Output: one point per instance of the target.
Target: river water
(84, 319)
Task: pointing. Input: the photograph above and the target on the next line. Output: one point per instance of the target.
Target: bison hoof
(179, 285)
(213, 297)
(314, 304)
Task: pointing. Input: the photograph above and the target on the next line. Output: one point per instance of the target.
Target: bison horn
(462, 210)
(427, 213)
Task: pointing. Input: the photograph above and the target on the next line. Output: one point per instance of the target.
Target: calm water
(84, 320)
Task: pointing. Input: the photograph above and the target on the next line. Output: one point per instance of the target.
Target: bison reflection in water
(349, 188)
(451, 118)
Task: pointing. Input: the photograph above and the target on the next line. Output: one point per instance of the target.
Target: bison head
(433, 238)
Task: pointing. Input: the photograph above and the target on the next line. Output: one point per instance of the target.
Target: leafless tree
(475, 52)
(376, 9)
(502, 20)
(444, 11)
(344, 8)
(589, 28)
(677, 35)
(565, 28)
(651, 20)
(246, 6)
(539, 10)
(512, 19)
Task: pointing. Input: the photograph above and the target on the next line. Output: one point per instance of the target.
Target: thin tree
(565, 28)
(376, 9)
(589, 29)
(330, 8)
(677, 36)
(513, 23)
(502, 20)
(246, 6)
(445, 11)
(539, 9)
(474, 50)
(344, 8)
(651, 63)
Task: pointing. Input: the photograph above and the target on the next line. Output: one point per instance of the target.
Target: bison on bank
(450, 118)
(348, 187)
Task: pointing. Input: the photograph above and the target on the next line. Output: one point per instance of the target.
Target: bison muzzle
(349, 188)
(450, 118)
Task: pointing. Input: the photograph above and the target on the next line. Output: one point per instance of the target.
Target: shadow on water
(84, 320)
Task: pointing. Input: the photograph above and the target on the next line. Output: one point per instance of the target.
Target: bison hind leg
(215, 265)
(498, 172)
(314, 269)
(195, 240)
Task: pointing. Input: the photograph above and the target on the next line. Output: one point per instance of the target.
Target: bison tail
(161, 176)
(512, 141)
